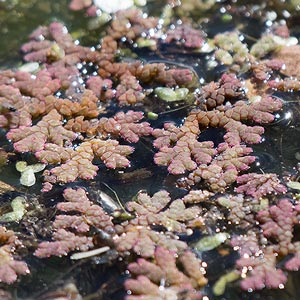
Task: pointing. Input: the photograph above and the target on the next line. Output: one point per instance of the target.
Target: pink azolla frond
(280, 29)
(257, 264)
(238, 132)
(278, 222)
(165, 267)
(197, 196)
(259, 112)
(143, 241)
(181, 77)
(102, 88)
(5, 295)
(285, 85)
(79, 165)
(72, 222)
(13, 107)
(54, 154)
(65, 241)
(130, 24)
(185, 155)
(185, 35)
(143, 288)
(81, 125)
(258, 185)
(179, 148)
(22, 95)
(94, 215)
(263, 70)
(293, 264)
(278, 225)
(290, 58)
(125, 125)
(214, 94)
(72, 232)
(239, 209)
(79, 4)
(159, 210)
(224, 168)
(33, 139)
(9, 267)
(39, 85)
(112, 153)
(129, 91)
(167, 136)
(264, 273)
(57, 44)
(85, 106)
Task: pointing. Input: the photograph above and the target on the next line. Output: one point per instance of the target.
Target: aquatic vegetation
(210, 98)
(27, 172)
(210, 242)
(170, 95)
(220, 285)
(18, 206)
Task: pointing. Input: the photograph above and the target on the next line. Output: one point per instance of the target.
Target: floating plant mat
(149, 150)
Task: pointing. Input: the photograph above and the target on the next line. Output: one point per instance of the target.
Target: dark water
(276, 154)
